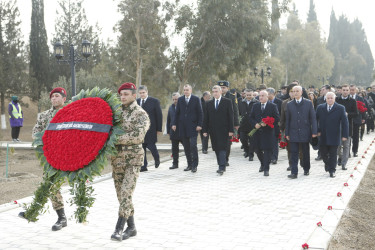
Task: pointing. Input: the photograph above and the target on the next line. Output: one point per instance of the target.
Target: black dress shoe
(144, 169)
(204, 152)
(306, 173)
(157, 164)
(355, 155)
(292, 176)
(251, 158)
(194, 169)
(261, 169)
(220, 172)
(344, 168)
(274, 162)
(289, 168)
(188, 168)
(266, 173)
(173, 167)
(245, 155)
(339, 162)
(332, 175)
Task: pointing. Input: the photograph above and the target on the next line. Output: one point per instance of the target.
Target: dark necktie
(329, 108)
(263, 107)
(187, 101)
(217, 104)
(143, 102)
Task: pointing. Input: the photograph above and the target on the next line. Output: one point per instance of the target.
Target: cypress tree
(311, 16)
(39, 52)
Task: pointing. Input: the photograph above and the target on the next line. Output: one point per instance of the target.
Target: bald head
(263, 96)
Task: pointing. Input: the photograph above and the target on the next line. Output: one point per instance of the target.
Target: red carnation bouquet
(235, 136)
(268, 121)
(283, 144)
(361, 107)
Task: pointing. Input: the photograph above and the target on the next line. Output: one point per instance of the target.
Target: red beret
(59, 90)
(127, 85)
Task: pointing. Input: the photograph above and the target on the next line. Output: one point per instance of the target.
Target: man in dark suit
(218, 122)
(351, 112)
(152, 106)
(264, 137)
(322, 99)
(300, 126)
(272, 98)
(173, 135)
(226, 93)
(357, 120)
(333, 126)
(189, 120)
(205, 98)
(245, 107)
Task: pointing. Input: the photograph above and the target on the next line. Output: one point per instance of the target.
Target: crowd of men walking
(331, 119)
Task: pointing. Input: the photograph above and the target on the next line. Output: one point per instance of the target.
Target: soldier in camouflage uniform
(58, 98)
(127, 163)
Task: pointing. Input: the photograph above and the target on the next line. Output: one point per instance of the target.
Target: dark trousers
(370, 124)
(15, 132)
(355, 138)
(191, 150)
(361, 131)
(229, 145)
(221, 159)
(175, 151)
(264, 156)
(153, 150)
(244, 138)
(290, 155)
(204, 140)
(329, 155)
(294, 153)
(275, 150)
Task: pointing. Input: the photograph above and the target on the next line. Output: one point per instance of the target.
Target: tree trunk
(138, 79)
(3, 119)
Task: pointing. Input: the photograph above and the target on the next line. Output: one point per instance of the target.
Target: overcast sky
(104, 12)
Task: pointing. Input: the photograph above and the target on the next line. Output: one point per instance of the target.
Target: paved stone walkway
(180, 210)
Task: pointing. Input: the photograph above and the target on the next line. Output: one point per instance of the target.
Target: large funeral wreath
(75, 146)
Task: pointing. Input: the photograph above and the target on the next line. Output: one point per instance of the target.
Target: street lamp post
(323, 79)
(73, 58)
(262, 75)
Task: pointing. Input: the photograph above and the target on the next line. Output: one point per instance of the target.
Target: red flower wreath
(361, 107)
(73, 149)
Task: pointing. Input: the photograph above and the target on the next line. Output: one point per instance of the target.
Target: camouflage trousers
(125, 172)
(57, 200)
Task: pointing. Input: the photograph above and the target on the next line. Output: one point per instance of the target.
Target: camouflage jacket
(43, 120)
(135, 124)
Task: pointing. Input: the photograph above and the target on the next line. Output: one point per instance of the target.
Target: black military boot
(61, 221)
(130, 231)
(117, 234)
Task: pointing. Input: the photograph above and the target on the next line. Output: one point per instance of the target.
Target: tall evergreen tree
(141, 45)
(39, 52)
(71, 27)
(12, 61)
(311, 16)
(354, 61)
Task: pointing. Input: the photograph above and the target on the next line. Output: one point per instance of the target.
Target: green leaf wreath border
(53, 178)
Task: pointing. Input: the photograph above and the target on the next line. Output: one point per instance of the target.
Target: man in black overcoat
(351, 112)
(173, 135)
(226, 93)
(333, 127)
(264, 137)
(205, 98)
(245, 107)
(218, 122)
(189, 120)
(152, 106)
(272, 98)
